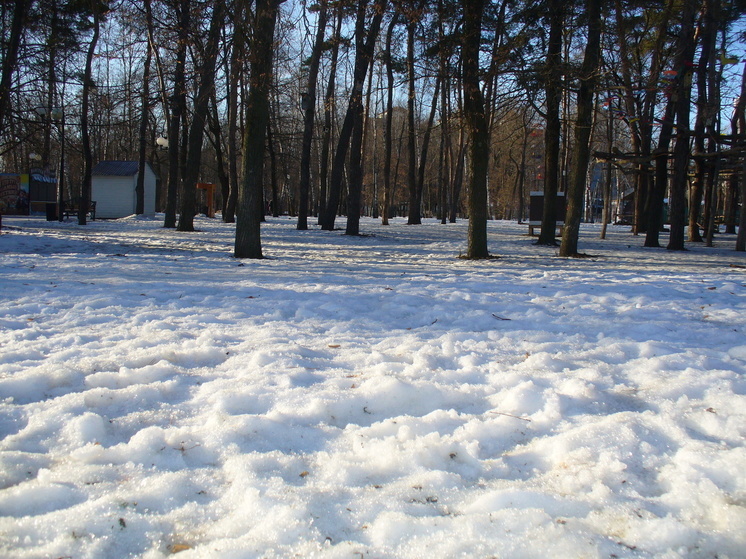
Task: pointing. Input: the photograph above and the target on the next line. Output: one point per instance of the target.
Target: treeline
(635, 109)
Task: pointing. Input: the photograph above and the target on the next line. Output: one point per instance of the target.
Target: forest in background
(634, 109)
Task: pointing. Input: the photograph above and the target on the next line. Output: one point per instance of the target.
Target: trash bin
(51, 212)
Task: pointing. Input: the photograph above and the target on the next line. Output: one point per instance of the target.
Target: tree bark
(206, 72)
(178, 108)
(414, 217)
(709, 36)
(236, 73)
(583, 127)
(553, 91)
(682, 150)
(329, 103)
(308, 105)
(85, 194)
(683, 65)
(10, 58)
(217, 142)
(353, 121)
(248, 219)
(478, 132)
(741, 116)
(641, 121)
(426, 142)
(142, 140)
(388, 128)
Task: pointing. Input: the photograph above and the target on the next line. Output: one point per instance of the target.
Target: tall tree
(308, 105)
(682, 150)
(638, 42)
(10, 54)
(474, 112)
(583, 125)
(708, 34)
(679, 97)
(415, 198)
(178, 109)
(329, 105)
(351, 133)
(248, 215)
(741, 132)
(85, 194)
(206, 72)
(552, 131)
(235, 77)
(388, 138)
(142, 140)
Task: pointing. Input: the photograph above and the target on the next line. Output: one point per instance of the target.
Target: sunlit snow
(374, 396)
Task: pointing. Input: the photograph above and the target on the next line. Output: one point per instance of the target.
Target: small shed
(113, 188)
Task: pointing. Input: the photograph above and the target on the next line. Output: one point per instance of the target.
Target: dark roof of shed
(116, 168)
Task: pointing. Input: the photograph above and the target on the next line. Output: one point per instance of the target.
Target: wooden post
(209, 189)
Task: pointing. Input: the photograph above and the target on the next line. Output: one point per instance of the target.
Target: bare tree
(206, 73)
(10, 55)
(350, 135)
(178, 109)
(474, 112)
(248, 216)
(85, 194)
(553, 92)
(583, 127)
(308, 106)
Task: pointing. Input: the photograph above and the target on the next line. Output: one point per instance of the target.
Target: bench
(537, 224)
(71, 207)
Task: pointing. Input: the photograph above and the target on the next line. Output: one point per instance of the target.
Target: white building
(113, 189)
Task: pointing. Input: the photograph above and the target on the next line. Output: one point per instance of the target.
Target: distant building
(113, 189)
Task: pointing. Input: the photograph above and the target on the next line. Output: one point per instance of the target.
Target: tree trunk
(478, 132)
(248, 235)
(682, 63)
(458, 177)
(272, 177)
(682, 150)
(583, 128)
(445, 129)
(740, 111)
(388, 128)
(142, 147)
(308, 105)
(553, 90)
(206, 73)
(641, 121)
(236, 72)
(353, 118)
(414, 217)
(85, 194)
(696, 192)
(426, 143)
(329, 103)
(178, 108)
(217, 143)
(10, 55)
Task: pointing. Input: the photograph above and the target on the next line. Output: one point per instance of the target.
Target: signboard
(14, 194)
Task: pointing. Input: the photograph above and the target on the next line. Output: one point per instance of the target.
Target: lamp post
(57, 116)
(33, 158)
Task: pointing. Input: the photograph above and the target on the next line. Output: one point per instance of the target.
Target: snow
(372, 396)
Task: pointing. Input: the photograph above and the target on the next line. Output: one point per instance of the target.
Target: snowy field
(371, 397)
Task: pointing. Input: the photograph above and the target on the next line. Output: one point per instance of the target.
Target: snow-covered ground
(367, 397)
